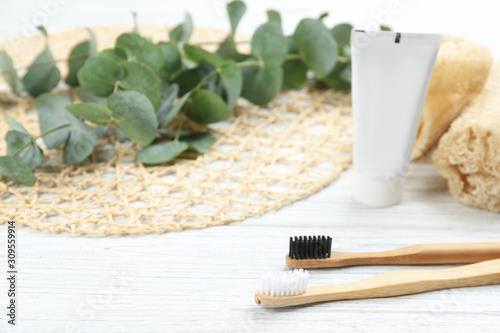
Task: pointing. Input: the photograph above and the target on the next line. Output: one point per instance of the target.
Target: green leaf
(334, 80)
(93, 112)
(317, 46)
(136, 27)
(42, 29)
(42, 75)
(182, 32)
(31, 154)
(166, 105)
(52, 113)
(140, 49)
(80, 139)
(322, 16)
(197, 54)
(161, 152)
(294, 70)
(190, 78)
(261, 84)
(232, 81)
(14, 168)
(174, 110)
(200, 142)
(9, 73)
(77, 58)
(274, 16)
(171, 56)
(99, 75)
(134, 116)
(385, 28)
(345, 73)
(227, 50)
(87, 97)
(269, 45)
(143, 79)
(205, 107)
(115, 55)
(15, 125)
(235, 10)
(342, 34)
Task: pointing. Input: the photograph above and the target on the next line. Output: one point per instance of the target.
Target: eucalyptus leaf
(294, 70)
(269, 45)
(134, 115)
(342, 34)
(261, 84)
(345, 73)
(42, 29)
(96, 113)
(80, 139)
(274, 16)
(142, 79)
(334, 80)
(99, 75)
(77, 58)
(199, 142)
(87, 97)
(174, 110)
(232, 81)
(9, 73)
(52, 113)
(171, 56)
(198, 54)
(15, 125)
(235, 11)
(385, 28)
(190, 78)
(31, 154)
(42, 75)
(14, 168)
(140, 49)
(182, 32)
(317, 46)
(227, 50)
(205, 107)
(167, 102)
(161, 152)
(115, 55)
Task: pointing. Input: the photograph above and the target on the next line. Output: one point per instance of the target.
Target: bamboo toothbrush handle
(421, 254)
(394, 284)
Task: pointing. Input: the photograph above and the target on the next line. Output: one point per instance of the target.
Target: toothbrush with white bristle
(282, 289)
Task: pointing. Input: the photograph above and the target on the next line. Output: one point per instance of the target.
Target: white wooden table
(204, 280)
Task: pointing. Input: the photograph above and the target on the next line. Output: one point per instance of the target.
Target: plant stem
(248, 63)
(179, 129)
(205, 79)
(44, 133)
(293, 56)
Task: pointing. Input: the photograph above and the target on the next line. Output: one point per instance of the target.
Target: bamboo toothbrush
(315, 252)
(283, 289)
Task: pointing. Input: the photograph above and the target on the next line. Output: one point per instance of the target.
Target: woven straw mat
(262, 159)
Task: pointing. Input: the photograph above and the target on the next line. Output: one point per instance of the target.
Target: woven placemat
(262, 159)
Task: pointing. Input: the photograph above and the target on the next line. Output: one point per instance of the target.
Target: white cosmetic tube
(390, 77)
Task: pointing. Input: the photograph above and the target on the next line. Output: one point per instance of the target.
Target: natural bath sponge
(461, 69)
(468, 155)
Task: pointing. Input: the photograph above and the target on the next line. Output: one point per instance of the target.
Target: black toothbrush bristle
(310, 247)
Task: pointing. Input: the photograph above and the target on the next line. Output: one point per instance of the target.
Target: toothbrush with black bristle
(316, 252)
(282, 289)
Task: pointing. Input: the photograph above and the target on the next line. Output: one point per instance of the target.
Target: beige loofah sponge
(468, 155)
(461, 70)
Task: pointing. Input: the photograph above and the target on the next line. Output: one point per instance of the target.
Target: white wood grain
(203, 280)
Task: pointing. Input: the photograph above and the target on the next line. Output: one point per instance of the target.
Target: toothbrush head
(284, 283)
(310, 247)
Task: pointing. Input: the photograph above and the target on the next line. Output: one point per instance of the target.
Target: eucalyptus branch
(39, 136)
(205, 79)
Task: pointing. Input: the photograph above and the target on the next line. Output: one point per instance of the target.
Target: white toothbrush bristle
(284, 283)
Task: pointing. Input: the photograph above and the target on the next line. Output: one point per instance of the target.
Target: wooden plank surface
(204, 280)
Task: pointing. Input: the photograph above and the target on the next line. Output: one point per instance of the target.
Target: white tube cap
(376, 193)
